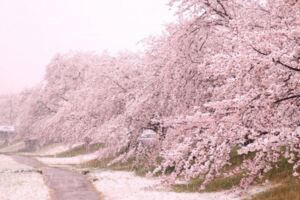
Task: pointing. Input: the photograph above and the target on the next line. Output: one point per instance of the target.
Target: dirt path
(63, 184)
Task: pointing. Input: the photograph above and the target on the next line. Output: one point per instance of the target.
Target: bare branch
(287, 98)
(203, 43)
(200, 48)
(285, 65)
(223, 14)
(115, 82)
(45, 106)
(224, 9)
(259, 51)
(63, 98)
(288, 78)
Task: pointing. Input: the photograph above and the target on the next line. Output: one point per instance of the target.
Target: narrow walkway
(63, 184)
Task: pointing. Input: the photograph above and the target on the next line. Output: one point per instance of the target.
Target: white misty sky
(32, 31)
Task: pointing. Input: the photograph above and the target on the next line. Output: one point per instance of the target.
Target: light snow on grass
(8, 164)
(116, 185)
(54, 149)
(13, 147)
(68, 160)
(17, 185)
(27, 186)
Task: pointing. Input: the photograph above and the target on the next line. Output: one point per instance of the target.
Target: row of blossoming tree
(225, 76)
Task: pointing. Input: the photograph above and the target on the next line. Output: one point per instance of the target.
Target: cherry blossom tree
(5, 110)
(234, 65)
(225, 76)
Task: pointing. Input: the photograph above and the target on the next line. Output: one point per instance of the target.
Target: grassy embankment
(287, 187)
(81, 149)
(219, 183)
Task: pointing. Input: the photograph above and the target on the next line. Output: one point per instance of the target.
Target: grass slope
(79, 150)
(288, 186)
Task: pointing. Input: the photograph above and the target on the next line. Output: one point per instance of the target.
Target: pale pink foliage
(238, 63)
(5, 109)
(225, 76)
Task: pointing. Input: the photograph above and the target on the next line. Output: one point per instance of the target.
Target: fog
(32, 31)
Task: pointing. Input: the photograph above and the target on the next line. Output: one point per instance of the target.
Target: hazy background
(32, 31)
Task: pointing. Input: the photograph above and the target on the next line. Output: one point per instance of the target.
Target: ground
(19, 181)
(22, 181)
(116, 185)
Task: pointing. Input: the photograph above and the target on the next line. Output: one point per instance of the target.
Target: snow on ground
(8, 164)
(55, 149)
(13, 148)
(115, 185)
(16, 185)
(68, 160)
(52, 149)
(28, 186)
